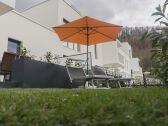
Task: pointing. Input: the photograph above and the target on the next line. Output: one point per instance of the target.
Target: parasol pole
(87, 48)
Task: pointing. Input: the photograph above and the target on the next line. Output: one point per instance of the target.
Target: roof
(74, 8)
(35, 5)
(23, 5)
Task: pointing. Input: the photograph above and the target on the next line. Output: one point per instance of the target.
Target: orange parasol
(87, 31)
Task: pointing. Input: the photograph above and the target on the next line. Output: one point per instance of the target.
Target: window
(96, 56)
(78, 48)
(65, 21)
(65, 44)
(75, 47)
(71, 45)
(13, 45)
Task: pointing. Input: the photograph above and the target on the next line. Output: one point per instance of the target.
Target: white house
(33, 29)
(136, 69)
(118, 56)
(17, 28)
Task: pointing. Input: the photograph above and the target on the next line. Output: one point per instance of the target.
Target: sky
(122, 12)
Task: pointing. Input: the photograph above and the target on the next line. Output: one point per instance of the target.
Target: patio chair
(109, 73)
(111, 80)
(97, 74)
(77, 76)
(114, 82)
(120, 82)
(125, 82)
(6, 65)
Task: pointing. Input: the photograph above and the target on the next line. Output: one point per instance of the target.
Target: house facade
(118, 57)
(136, 70)
(33, 29)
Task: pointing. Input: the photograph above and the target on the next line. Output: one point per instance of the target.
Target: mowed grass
(79, 107)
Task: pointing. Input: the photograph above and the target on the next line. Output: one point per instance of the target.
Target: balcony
(6, 6)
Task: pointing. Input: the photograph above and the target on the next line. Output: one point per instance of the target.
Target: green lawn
(63, 107)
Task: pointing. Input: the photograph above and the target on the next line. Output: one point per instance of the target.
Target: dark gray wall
(35, 74)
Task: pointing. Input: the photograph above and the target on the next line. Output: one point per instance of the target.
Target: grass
(63, 107)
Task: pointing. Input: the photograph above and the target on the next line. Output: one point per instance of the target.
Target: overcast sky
(122, 12)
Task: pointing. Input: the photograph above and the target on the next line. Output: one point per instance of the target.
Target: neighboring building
(118, 56)
(136, 69)
(33, 29)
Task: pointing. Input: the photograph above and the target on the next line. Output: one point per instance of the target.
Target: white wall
(135, 64)
(67, 12)
(111, 52)
(137, 70)
(35, 37)
(127, 52)
(51, 13)
(45, 13)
